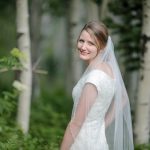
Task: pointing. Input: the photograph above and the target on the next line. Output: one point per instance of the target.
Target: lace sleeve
(86, 100)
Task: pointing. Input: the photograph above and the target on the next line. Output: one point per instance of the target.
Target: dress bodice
(105, 86)
(94, 124)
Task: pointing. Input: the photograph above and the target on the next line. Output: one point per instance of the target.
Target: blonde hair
(98, 31)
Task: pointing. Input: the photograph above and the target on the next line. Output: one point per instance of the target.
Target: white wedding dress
(91, 135)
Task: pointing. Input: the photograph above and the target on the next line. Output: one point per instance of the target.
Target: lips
(83, 52)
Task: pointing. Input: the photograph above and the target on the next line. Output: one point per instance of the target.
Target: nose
(83, 46)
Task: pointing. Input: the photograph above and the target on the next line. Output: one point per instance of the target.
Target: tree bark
(23, 39)
(142, 119)
(92, 11)
(76, 19)
(35, 24)
(104, 9)
(132, 79)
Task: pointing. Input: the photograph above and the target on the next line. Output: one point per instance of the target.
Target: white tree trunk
(132, 79)
(142, 120)
(104, 9)
(35, 24)
(77, 20)
(92, 11)
(26, 75)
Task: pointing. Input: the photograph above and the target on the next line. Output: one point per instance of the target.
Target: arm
(87, 99)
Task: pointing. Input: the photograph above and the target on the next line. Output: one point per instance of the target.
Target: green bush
(142, 147)
(50, 113)
(49, 116)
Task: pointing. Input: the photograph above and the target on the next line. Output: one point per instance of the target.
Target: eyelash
(90, 43)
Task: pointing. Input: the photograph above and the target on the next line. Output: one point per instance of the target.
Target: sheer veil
(101, 117)
(118, 117)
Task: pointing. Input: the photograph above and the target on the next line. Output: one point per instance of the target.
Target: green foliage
(7, 104)
(142, 147)
(5, 5)
(98, 2)
(48, 121)
(7, 26)
(8, 130)
(50, 116)
(128, 26)
(12, 61)
(51, 66)
(11, 136)
(58, 7)
(9, 63)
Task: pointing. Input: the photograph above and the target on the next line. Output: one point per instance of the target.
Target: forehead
(86, 35)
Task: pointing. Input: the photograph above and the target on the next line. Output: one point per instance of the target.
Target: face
(86, 46)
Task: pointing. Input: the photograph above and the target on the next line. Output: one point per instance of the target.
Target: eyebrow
(80, 39)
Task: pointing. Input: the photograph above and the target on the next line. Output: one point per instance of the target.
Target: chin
(84, 58)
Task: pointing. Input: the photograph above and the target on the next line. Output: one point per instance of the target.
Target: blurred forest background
(39, 66)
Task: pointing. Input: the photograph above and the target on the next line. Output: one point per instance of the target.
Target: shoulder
(106, 69)
(99, 78)
(95, 77)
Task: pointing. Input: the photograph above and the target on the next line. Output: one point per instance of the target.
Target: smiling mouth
(83, 52)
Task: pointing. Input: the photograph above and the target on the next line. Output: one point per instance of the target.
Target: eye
(91, 43)
(81, 40)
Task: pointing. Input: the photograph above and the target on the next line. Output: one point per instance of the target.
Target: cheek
(78, 46)
(95, 52)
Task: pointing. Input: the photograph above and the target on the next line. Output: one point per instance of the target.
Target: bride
(101, 118)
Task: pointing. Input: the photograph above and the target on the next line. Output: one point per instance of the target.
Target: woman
(101, 117)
